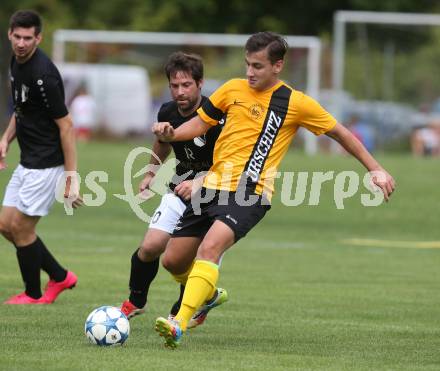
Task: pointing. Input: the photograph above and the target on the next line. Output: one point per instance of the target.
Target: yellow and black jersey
(259, 128)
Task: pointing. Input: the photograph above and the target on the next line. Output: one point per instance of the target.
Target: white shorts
(168, 213)
(32, 191)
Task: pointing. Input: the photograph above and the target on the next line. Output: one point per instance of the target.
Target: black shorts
(240, 215)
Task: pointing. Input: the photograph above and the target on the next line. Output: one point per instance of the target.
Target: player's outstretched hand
(71, 192)
(164, 131)
(384, 181)
(77, 202)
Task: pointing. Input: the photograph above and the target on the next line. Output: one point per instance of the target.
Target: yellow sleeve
(216, 105)
(313, 117)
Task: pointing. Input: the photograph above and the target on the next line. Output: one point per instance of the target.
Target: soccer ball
(107, 326)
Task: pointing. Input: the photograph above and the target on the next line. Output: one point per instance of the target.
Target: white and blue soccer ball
(107, 326)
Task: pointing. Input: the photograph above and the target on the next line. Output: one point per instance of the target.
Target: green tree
(301, 17)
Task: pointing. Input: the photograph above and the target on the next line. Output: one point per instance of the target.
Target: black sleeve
(53, 97)
(160, 114)
(212, 111)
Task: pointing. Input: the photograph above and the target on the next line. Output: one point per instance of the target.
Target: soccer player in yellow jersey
(262, 117)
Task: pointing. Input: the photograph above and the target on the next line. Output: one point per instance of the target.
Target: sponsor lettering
(265, 144)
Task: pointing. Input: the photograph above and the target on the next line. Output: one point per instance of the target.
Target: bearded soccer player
(43, 128)
(263, 115)
(194, 156)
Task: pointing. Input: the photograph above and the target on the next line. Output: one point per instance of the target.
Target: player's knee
(5, 228)
(14, 228)
(19, 232)
(150, 251)
(210, 251)
(170, 264)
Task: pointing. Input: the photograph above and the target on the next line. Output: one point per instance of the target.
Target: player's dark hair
(26, 19)
(276, 45)
(189, 63)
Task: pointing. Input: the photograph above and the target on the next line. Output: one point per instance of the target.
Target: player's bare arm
(161, 151)
(67, 136)
(353, 146)
(7, 138)
(189, 130)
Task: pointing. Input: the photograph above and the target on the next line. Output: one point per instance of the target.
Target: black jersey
(38, 97)
(195, 155)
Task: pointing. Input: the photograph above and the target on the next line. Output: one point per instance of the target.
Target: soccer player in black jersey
(185, 76)
(43, 128)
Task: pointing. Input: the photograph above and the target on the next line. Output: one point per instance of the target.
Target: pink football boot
(53, 288)
(23, 298)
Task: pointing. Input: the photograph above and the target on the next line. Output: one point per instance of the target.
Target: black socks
(141, 276)
(29, 260)
(48, 263)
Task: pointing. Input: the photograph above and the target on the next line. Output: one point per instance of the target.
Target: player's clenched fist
(164, 131)
(384, 181)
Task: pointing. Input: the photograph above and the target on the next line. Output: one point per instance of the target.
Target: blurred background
(376, 72)
(312, 287)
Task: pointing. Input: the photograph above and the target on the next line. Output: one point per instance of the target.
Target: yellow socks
(201, 286)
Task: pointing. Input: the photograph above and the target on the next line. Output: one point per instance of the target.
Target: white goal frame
(313, 44)
(342, 17)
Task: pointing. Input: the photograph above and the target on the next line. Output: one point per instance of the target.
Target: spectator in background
(362, 131)
(83, 111)
(425, 140)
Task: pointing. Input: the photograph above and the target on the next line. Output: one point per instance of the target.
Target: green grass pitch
(311, 287)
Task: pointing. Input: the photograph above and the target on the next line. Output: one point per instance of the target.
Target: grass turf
(303, 295)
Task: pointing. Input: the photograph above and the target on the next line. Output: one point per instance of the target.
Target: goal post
(344, 18)
(312, 44)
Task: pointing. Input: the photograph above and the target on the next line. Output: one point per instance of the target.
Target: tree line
(300, 17)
